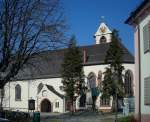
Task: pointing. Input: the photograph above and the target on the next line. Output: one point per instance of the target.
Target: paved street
(86, 116)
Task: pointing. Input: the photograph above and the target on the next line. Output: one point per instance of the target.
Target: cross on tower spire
(102, 19)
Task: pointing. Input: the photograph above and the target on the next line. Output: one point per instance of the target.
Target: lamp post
(37, 101)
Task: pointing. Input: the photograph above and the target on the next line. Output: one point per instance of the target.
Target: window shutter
(146, 38)
(147, 91)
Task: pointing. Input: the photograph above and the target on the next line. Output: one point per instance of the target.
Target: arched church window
(92, 80)
(129, 83)
(103, 39)
(39, 88)
(17, 92)
(99, 78)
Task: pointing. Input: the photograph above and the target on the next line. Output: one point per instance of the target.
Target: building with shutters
(140, 20)
(42, 80)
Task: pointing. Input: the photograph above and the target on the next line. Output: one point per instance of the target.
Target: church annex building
(42, 82)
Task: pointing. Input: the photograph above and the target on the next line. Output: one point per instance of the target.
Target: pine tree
(113, 83)
(72, 72)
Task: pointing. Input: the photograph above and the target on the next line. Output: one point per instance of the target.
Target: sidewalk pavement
(84, 116)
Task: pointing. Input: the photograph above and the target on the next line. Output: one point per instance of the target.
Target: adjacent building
(41, 80)
(140, 20)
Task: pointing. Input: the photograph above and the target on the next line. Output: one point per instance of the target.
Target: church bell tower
(103, 34)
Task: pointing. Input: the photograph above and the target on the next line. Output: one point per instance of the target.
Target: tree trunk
(72, 107)
(94, 102)
(114, 105)
(116, 108)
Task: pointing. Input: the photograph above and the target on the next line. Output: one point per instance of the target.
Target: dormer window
(103, 39)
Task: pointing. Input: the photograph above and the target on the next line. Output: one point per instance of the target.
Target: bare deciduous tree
(27, 27)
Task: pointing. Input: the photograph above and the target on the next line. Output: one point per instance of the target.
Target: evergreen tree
(113, 83)
(72, 72)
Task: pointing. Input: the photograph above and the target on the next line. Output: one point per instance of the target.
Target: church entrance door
(46, 106)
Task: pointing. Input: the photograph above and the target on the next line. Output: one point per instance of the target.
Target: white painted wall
(95, 69)
(145, 69)
(29, 90)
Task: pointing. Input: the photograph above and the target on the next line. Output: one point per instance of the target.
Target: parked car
(4, 120)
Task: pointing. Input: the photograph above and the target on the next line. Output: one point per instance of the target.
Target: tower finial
(102, 18)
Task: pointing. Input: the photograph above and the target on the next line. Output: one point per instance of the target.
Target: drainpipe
(28, 95)
(9, 95)
(37, 101)
(64, 108)
(139, 54)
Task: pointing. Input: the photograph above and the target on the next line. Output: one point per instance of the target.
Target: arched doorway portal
(46, 106)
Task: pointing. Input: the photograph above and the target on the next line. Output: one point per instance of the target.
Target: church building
(41, 80)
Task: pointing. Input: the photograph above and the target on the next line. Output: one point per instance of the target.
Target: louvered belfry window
(147, 91)
(146, 37)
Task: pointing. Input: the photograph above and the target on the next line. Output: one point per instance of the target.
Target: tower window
(103, 39)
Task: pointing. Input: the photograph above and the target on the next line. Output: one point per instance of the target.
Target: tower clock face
(103, 29)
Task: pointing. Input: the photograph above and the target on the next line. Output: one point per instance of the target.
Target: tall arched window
(129, 83)
(92, 80)
(39, 88)
(103, 39)
(99, 78)
(17, 92)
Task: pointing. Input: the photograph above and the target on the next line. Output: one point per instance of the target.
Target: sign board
(31, 104)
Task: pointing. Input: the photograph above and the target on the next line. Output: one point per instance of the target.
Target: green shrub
(124, 119)
(127, 119)
(15, 115)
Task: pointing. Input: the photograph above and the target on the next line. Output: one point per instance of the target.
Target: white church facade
(42, 82)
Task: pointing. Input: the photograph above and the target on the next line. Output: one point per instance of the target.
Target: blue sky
(83, 17)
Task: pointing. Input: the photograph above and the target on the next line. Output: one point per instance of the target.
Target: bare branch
(27, 27)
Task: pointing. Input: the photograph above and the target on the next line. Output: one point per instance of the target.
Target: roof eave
(131, 20)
